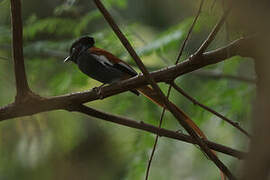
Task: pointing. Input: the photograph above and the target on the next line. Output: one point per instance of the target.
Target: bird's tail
(152, 95)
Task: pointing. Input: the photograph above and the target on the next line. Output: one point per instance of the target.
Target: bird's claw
(98, 90)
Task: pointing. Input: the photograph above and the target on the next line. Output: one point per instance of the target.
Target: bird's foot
(179, 131)
(99, 91)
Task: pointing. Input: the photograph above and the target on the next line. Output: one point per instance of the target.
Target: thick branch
(38, 105)
(257, 164)
(21, 81)
(152, 129)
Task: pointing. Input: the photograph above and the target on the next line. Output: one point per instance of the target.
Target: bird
(106, 68)
(99, 64)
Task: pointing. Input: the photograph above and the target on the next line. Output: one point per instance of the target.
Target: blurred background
(65, 145)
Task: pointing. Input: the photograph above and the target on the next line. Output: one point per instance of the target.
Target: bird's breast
(99, 68)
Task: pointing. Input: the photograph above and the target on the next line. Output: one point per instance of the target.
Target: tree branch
(19, 69)
(38, 104)
(152, 129)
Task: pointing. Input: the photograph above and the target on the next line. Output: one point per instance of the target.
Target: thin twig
(213, 34)
(155, 143)
(17, 39)
(227, 30)
(170, 87)
(153, 129)
(235, 124)
(189, 32)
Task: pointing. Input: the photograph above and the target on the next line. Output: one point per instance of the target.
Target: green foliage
(84, 21)
(167, 39)
(49, 26)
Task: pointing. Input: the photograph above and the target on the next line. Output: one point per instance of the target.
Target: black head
(78, 47)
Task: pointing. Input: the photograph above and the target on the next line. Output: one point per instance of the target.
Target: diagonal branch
(152, 129)
(129, 48)
(189, 32)
(213, 34)
(235, 124)
(178, 115)
(19, 69)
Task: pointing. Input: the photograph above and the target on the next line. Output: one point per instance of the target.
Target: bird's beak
(67, 59)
